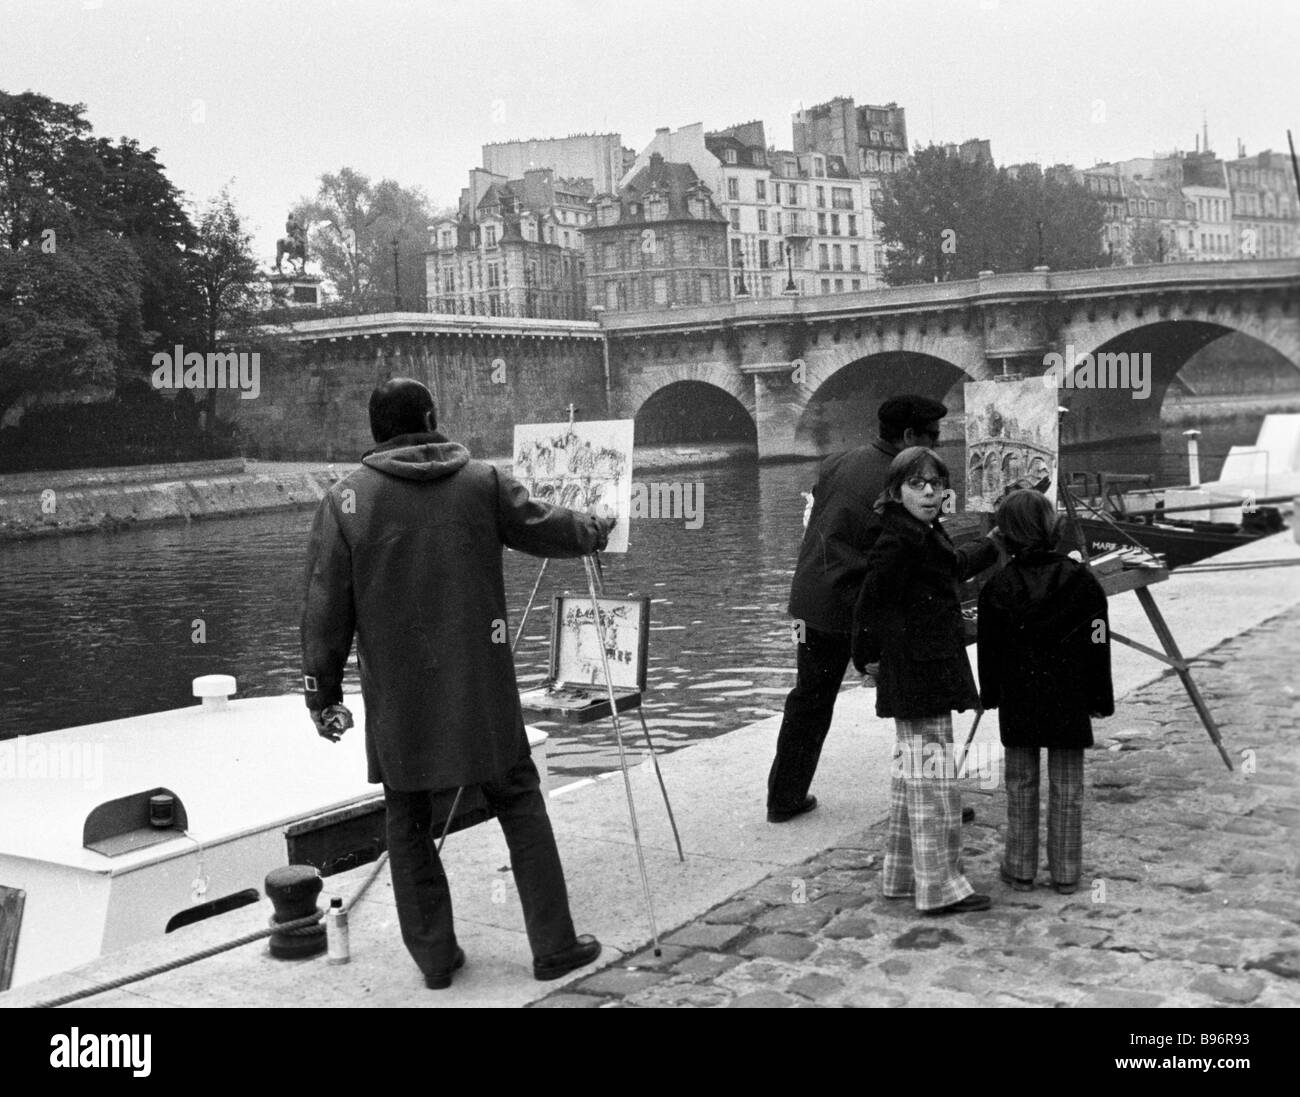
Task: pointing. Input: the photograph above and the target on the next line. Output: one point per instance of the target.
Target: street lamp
(741, 290)
(789, 266)
(397, 280)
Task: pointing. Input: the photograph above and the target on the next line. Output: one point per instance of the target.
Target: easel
(614, 705)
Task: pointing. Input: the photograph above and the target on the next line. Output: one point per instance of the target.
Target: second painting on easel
(579, 465)
(1011, 434)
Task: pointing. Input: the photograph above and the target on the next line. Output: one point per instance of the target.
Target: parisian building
(515, 249)
(1265, 209)
(872, 140)
(599, 157)
(659, 242)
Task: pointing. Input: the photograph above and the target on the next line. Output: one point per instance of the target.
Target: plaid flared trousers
(1064, 813)
(923, 846)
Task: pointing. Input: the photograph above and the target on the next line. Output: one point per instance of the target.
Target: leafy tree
(353, 223)
(1148, 245)
(67, 317)
(944, 218)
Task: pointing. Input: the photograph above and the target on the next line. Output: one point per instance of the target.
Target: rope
(299, 926)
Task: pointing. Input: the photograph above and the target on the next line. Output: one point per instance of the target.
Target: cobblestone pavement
(1190, 893)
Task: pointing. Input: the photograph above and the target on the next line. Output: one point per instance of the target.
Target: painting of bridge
(579, 466)
(1011, 434)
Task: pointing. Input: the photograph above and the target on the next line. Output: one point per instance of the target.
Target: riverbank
(38, 504)
(1198, 903)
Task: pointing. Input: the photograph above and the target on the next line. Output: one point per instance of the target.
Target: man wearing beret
(405, 554)
(827, 578)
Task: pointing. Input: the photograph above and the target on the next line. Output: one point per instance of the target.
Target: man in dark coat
(406, 553)
(827, 578)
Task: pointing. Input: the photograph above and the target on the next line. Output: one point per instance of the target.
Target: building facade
(1265, 209)
(659, 242)
(599, 157)
(516, 248)
(872, 140)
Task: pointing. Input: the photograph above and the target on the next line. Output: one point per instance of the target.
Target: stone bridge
(803, 376)
(794, 376)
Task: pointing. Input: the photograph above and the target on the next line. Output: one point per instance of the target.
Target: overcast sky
(271, 94)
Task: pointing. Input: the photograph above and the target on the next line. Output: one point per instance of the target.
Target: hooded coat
(406, 553)
(908, 616)
(1044, 651)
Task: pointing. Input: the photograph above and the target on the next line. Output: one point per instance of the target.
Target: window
(656, 207)
(737, 253)
(841, 198)
(777, 222)
(703, 251)
(855, 285)
(821, 197)
(837, 257)
(853, 258)
(873, 162)
(566, 238)
(493, 275)
(734, 214)
(730, 155)
(763, 254)
(776, 192)
(823, 257)
(853, 224)
(706, 290)
(611, 295)
(733, 189)
(448, 280)
(835, 224)
(819, 167)
(608, 259)
(821, 224)
(766, 285)
(875, 137)
(490, 236)
(826, 285)
(660, 284)
(760, 190)
(762, 220)
(888, 137)
(793, 196)
(839, 285)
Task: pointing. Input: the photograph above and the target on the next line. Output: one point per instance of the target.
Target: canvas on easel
(1012, 433)
(579, 465)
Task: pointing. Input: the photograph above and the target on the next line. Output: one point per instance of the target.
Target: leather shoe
(808, 804)
(441, 980)
(1017, 884)
(968, 815)
(973, 902)
(579, 954)
(1065, 889)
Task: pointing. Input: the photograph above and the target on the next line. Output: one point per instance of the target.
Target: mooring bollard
(293, 890)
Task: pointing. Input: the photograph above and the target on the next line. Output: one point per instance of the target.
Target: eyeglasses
(919, 483)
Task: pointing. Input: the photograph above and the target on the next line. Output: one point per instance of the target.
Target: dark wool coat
(406, 552)
(908, 616)
(1044, 651)
(841, 528)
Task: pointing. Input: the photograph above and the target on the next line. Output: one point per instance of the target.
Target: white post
(1193, 457)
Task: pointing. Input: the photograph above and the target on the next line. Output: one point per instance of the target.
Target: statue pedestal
(294, 290)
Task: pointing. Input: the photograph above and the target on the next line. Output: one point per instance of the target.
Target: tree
(353, 223)
(1148, 245)
(944, 218)
(67, 317)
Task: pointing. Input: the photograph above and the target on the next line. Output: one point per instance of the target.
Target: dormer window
(656, 207)
(489, 236)
(606, 212)
(729, 155)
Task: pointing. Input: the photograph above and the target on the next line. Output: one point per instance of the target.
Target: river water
(104, 626)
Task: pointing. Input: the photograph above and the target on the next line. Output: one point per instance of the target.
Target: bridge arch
(1135, 368)
(841, 412)
(691, 410)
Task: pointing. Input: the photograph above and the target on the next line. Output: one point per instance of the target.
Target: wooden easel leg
(662, 788)
(590, 568)
(1179, 664)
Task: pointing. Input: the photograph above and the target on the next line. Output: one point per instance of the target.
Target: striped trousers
(1064, 813)
(923, 846)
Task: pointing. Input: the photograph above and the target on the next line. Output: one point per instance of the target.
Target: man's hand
(332, 721)
(607, 516)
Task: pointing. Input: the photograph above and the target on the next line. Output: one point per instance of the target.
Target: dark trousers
(420, 885)
(822, 659)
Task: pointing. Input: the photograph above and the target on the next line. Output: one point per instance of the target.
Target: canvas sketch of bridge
(1012, 433)
(579, 465)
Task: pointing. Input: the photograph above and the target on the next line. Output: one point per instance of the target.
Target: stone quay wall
(313, 405)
